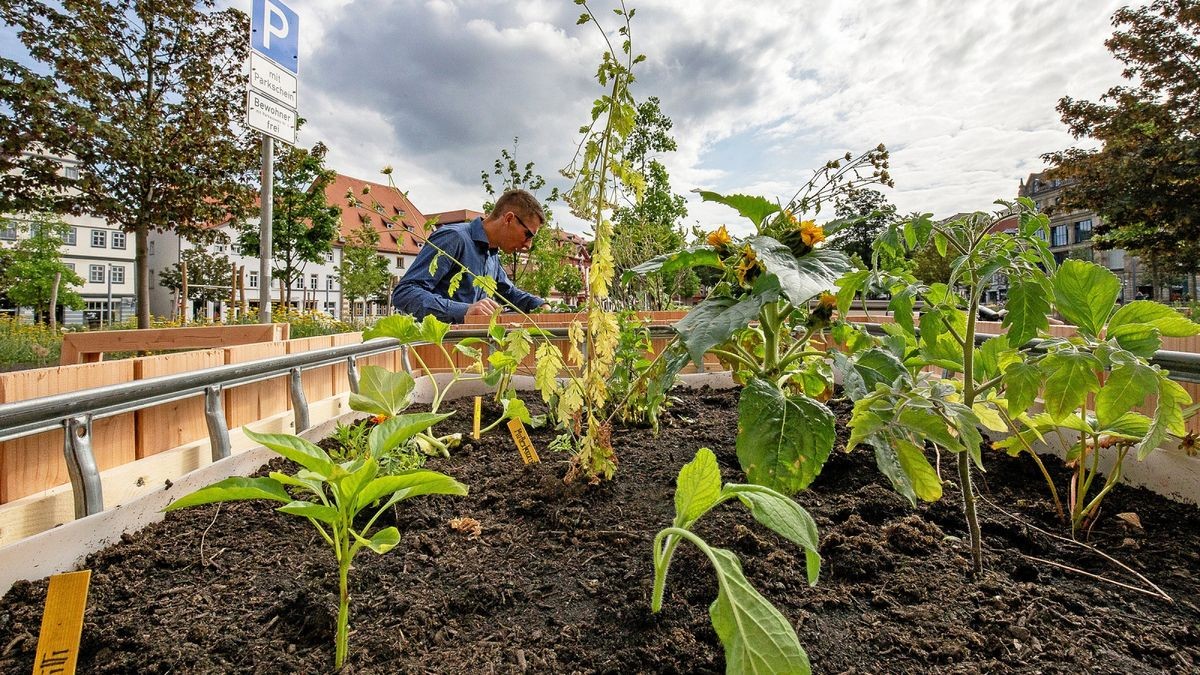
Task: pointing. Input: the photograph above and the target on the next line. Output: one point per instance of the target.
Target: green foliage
(756, 637)
(1145, 177)
(331, 495)
(148, 102)
(205, 270)
(783, 440)
(363, 273)
(27, 277)
(304, 225)
(382, 392)
(27, 345)
(569, 283)
(866, 213)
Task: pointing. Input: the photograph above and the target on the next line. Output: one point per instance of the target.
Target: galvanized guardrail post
(81, 466)
(218, 430)
(299, 403)
(404, 362)
(352, 373)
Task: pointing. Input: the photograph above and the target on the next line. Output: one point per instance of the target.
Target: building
(101, 254)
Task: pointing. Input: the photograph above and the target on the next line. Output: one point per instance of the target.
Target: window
(400, 262)
(71, 172)
(99, 238)
(118, 274)
(96, 274)
(1083, 230)
(329, 282)
(70, 266)
(220, 248)
(118, 240)
(150, 248)
(312, 281)
(329, 257)
(72, 236)
(253, 282)
(330, 307)
(1058, 235)
(420, 245)
(8, 232)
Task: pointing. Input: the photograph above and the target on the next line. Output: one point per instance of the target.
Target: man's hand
(485, 307)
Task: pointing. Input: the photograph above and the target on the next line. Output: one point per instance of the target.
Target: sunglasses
(528, 232)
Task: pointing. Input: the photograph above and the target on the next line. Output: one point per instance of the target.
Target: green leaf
(402, 327)
(850, 285)
(1085, 294)
(923, 478)
(756, 637)
(676, 261)
(409, 484)
(868, 368)
(1028, 311)
(233, 489)
(988, 356)
(382, 392)
(382, 541)
(804, 278)
(1168, 321)
(1168, 416)
(396, 431)
(1126, 388)
(347, 487)
(1022, 382)
(928, 425)
(782, 441)
(784, 517)
(433, 330)
(752, 207)
(1131, 425)
(1139, 338)
(888, 461)
(715, 320)
(325, 514)
(1069, 380)
(296, 449)
(901, 307)
(515, 409)
(697, 489)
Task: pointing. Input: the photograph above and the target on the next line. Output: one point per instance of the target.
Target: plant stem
(769, 319)
(662, 561)
(964, 458)
(343, 624)
(1058, 507)
(1109, 484)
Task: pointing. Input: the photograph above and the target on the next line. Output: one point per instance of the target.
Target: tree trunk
(54, 301)
(141, 266)
(184, 296)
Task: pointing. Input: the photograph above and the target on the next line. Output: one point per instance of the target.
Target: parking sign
(275, 32)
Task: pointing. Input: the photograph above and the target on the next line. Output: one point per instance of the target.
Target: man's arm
(526, 302)
(416, 293)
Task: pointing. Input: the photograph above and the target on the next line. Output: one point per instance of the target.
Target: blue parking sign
(275, 32)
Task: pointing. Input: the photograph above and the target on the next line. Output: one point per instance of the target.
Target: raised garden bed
(559, 579)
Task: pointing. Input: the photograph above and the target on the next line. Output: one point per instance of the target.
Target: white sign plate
(272, 81)
(272, 118)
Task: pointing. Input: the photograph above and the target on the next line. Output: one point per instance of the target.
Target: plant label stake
(524, 444)
(62, 624)
(478, 409)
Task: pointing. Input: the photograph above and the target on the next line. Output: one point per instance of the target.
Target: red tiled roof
(379, 206)
(459, 216)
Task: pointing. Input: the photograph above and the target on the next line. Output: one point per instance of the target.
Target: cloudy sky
(762, 91)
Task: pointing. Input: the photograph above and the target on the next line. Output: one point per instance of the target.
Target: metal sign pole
(264, 237)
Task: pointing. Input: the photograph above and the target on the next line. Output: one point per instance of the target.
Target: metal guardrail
(74, 412)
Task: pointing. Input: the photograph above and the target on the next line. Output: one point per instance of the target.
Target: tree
(569, 283)
(32, 265)
(870, 213)
(363, 273)
(208, 275)
(1144, 181)
(512, 176)
(146, 99)
(303, 224)
(544, 263)
(648, 227)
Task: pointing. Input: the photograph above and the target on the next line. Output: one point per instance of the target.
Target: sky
(963, 94)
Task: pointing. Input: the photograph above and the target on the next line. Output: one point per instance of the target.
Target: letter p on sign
(275, 32)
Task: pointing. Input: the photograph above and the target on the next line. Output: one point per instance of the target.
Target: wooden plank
(258, 400)
(318, 382)
(79, 346)
(34, 463)
(62, 623)
(172, 424)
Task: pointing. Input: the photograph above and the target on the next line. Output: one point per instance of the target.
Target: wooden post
(284, 300)
(54, 300)
(183, 293)
(233, 281)
(242, 290)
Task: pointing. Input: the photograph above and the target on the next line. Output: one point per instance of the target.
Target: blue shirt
(420, 293)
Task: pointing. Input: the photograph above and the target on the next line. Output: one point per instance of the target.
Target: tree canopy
(303, 224)
(209, 275)
(1145, 179)
(363, 272)
(31, 265)
(143, 101)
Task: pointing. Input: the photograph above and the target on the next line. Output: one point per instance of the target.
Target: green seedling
(331, 495)
(756, 637)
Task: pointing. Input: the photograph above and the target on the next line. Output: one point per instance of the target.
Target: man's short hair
(521, 201)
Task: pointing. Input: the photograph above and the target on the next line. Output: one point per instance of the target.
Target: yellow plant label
(62, 624)
(478, 413)
(524, 444)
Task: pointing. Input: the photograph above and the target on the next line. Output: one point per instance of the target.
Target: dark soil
(559, 580)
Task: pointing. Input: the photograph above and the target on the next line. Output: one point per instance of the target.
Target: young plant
(758, 321)
(629, 387)
(756, 637)
(331, 495)
(1107, 360)
(352, 442)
